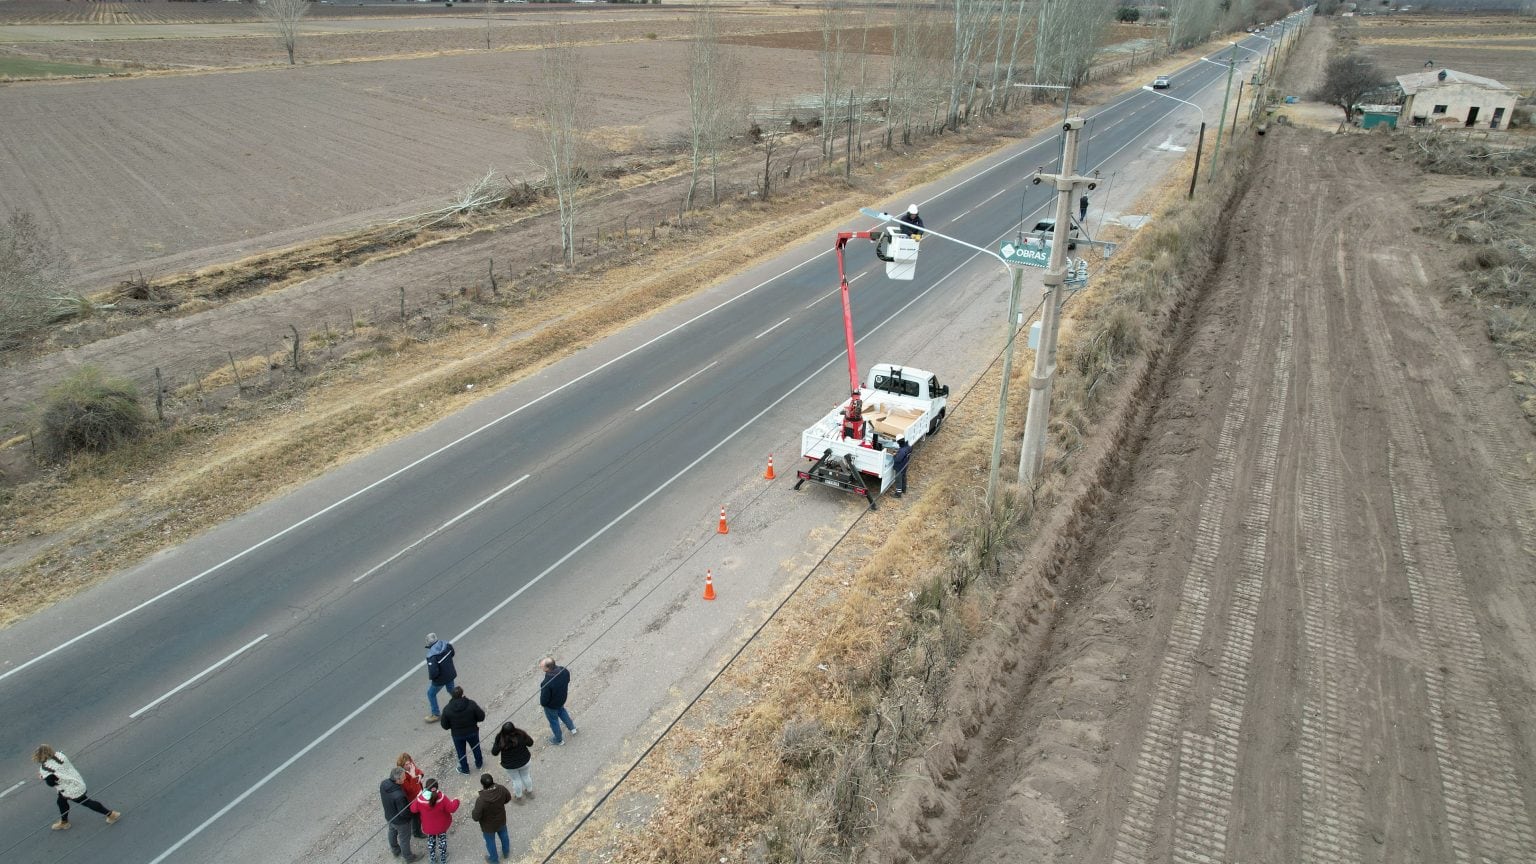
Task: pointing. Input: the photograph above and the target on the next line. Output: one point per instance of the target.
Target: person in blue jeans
(462, 718)
(440, 672)
(491, 812)
(552, 693)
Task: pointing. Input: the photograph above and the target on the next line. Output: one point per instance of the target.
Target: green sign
(1032, 254)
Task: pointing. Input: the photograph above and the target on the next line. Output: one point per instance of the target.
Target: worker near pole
(914, 223)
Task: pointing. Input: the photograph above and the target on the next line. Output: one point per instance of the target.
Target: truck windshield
(895, 383)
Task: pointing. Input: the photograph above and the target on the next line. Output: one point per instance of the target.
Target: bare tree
(564, 152)
(1191, 22)
(714, 103)
(32, 274)
(1346, 79)
(1066, 38)
(834, 60)
(284, 17)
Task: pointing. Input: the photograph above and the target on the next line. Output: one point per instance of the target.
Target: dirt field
(378, 37)
(1305, 629)
(1502, 48)
(166, 174)
(168, 12)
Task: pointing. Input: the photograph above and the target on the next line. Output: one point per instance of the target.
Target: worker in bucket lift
(914, 223)
(853, 419)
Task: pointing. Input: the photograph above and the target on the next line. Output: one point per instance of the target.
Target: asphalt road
(239, 697)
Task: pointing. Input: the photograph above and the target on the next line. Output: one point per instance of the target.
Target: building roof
(1417, 81)
(1380, 109)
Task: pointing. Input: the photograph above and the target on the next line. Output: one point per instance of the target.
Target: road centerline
(771, 329)
(439, 529)
(194, 679)
(712, 364)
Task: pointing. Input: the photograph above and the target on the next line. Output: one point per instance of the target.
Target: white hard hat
(912, 209)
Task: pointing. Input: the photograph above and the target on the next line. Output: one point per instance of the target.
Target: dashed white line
(13, 789)
(771, 329)
(712, 365)
(193, 680)
(441, 528)
(475, 625)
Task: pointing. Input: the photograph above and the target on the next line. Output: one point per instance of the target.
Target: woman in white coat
(56, 771)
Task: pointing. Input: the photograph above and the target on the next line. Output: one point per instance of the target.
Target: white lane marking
(441, 528)
(771, 329)
(193, 680)
(397, 472)
(712, 365)
(982, 203)
(466, 436)
(832, 293)
(13, 789)
(416, 667)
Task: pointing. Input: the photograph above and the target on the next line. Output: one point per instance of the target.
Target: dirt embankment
(1303, 629)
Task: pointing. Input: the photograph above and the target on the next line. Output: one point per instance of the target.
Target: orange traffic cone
(709, 585)
(723, 529)
(769, 474)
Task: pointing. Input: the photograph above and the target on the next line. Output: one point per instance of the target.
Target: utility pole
(1037, 420)
(1226, 97)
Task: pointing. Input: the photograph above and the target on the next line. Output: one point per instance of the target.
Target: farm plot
(1502, 48)
(167, 12)
(361, 39)
(162, 174)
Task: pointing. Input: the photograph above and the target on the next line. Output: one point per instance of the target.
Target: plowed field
(169, 173)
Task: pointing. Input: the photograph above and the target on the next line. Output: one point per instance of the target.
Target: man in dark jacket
(440, 671)
(462, 718)
(397, 815)
(552, 693)
(903, 456)
(491, 812)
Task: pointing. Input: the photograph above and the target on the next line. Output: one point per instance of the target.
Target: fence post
(159, 397)
(233, 367)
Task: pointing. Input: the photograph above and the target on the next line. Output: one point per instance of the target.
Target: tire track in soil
(1330, 749)
(1138, 838)
(1485, 807)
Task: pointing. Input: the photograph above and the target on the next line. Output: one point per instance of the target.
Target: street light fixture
(1199, 142)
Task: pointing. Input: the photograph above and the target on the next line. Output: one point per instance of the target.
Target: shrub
(89, 412)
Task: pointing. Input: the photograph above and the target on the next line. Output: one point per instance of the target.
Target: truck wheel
(935, 423)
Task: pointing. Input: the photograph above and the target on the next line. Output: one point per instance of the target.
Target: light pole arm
(886, 217)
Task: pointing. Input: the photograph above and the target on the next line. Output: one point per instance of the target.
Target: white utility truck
(853, 448)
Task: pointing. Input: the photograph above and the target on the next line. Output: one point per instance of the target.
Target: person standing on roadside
(512, 745)
(440, 672)
(436, 811)
(411, 783)
(491, 812)
(462, 719)
(903, 458)
(56, 771)
(553, 691)
(398, 817)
